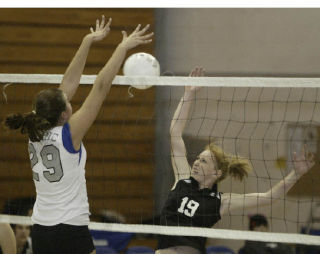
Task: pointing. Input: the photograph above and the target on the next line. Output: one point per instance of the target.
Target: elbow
(175, 131)
(266, 198)
(269, 198)
(175, 135)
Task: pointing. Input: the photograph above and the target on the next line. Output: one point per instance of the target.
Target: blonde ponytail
(239, 168)
(229, 164)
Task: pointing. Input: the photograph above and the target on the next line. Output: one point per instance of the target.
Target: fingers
(102, 22)
(140, 32)
(194, 72)
(137, 28)
(145, 41)
(197, 72)
(109, 22)
(147, 36)
(137, 37)
(202, 72)
(102, 25)
(295, 156)
(97, 24)
(124, 34)
(307, 154)
(303, 150)
(144, 29)
(311, 157)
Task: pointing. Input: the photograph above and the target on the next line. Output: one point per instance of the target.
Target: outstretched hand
(303, 162)
(137, 37)
(101, 30)
(196, 72)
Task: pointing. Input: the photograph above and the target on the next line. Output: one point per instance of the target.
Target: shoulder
(215, 195)
(187, 181)
(67, 139)
(182, 182)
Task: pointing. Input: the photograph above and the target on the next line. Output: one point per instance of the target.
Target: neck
(206, 184)
(20, 249)
(61, 122)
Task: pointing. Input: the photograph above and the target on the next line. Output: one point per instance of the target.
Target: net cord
(186, 231)
(171, 81)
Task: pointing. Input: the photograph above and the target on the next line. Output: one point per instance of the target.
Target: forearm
(110, 70)
(71, 78)
(282, 188)
(181, 114)
(231, 201)
(91, 106)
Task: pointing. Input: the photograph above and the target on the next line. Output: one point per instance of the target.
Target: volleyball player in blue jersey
(57, 154)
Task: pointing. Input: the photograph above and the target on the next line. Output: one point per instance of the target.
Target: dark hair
(48, 106)
(257, 220)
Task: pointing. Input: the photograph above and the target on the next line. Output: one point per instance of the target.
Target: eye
(203, 160)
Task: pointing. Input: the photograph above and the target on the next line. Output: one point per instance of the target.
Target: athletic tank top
(59, 177)
(188, 206)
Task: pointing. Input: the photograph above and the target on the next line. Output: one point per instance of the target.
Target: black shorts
(62, 239)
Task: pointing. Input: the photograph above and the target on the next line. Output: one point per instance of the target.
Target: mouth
(195, 170)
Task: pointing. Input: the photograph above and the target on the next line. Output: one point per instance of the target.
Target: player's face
(22, 233)
(205, 169)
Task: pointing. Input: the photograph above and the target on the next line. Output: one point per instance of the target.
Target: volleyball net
(129, 171)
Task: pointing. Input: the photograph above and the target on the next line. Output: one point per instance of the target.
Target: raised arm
(71, 77)
(302, 164)
(81, 121)
(7, 239)
(179, 160)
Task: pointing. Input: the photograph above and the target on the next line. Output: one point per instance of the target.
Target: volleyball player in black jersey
(194, 201)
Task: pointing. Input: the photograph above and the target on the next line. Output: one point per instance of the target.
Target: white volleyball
(141, 64)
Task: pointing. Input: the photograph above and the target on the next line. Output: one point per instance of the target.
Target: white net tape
(170, 81)
(187, 231)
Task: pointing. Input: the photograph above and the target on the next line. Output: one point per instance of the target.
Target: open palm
(196, 72)
(101, 30)
(137, 37)
(303, 162)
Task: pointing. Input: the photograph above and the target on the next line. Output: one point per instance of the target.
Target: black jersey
(188, 206)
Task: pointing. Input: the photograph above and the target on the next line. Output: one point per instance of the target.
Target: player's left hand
(303, 162)
(196, 72)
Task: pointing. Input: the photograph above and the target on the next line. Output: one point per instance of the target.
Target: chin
(195, 177)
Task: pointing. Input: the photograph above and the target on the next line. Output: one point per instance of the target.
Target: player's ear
(64, 115)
